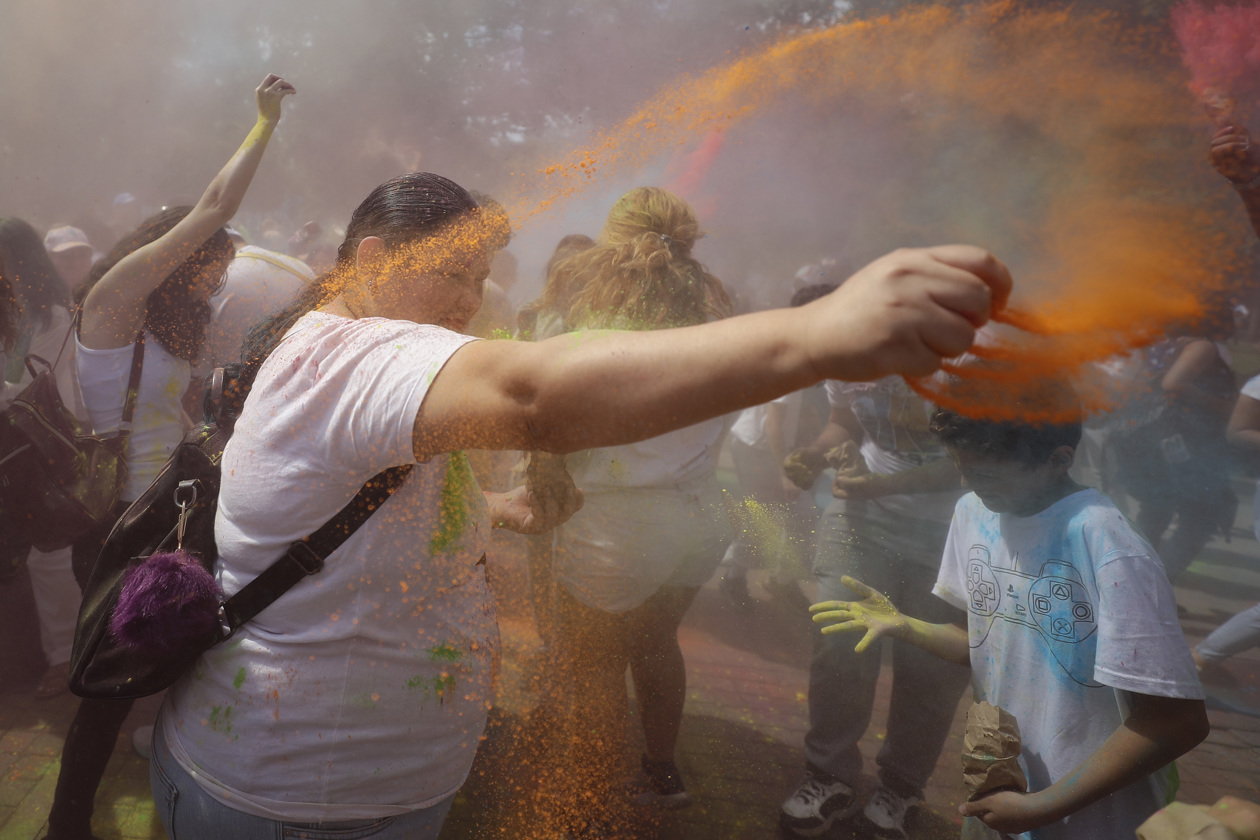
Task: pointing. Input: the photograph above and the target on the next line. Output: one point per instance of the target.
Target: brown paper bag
(1180, 821)
(990, 755)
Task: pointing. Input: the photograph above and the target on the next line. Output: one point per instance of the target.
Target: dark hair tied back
(402, 210)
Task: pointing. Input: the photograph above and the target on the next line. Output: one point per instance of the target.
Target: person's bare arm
(114, 310)
(1181, 380)
(899, 315)
(1244, 423)
(1156, 732)
(1233, 155)
(875, 617)
(776, 431)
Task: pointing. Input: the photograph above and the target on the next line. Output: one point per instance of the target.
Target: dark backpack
(58, 481)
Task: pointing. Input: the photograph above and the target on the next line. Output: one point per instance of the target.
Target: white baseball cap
(64, 238)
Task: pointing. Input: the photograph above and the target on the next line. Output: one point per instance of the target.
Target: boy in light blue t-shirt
(1071, 626)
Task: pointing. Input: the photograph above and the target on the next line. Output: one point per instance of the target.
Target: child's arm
(1157, 731)
(878, 617)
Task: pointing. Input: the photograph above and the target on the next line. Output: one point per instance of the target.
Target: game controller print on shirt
(1054, 603)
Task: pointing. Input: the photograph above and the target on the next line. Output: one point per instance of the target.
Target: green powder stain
(454, 511)
(445, 653)
(437, 686)
(221, 719)
(239, 680)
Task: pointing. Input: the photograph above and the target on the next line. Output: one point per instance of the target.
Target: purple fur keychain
(167, 602)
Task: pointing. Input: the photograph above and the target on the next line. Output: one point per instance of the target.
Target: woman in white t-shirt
(148, 297)
(44, 331)
(655, 524)
(356, 701)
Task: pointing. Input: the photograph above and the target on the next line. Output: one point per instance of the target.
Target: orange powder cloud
(1107, 228)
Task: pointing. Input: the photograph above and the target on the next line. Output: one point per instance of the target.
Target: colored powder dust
(454, 512)
(1220, 46)
(696, 166)
(1097, 202)
(767, 529)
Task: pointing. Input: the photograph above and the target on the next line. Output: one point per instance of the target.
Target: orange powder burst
(1100, 214)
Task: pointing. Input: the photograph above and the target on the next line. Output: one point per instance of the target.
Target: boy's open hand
(1009, 812)
(874, 614)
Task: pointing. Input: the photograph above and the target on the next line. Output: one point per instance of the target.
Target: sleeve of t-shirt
(1141, 647)
(835, 393)
(1251, 388)
(387, 381)
(951, 580)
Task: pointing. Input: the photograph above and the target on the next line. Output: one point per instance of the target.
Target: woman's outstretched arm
(901, 314)
(114, 309)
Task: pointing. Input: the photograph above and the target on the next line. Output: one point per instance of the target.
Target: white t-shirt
(750, 427)
(257, 284)
(1251, 388)
(895, 438)
(363, 690)
(158, 424)
(1067, 611)
(676, 457)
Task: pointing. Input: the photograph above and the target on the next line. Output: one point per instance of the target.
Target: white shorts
(627, 542)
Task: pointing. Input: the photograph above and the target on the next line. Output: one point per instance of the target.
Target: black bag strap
(306, 556)
(133, 385)
(74, 323)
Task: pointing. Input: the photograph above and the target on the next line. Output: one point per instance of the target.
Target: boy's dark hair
(1028, 442)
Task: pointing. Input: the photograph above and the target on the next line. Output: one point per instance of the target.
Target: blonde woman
(654, 526)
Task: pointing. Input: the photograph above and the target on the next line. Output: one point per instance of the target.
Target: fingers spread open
(859, 588)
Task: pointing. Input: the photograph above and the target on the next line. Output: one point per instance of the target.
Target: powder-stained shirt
(1068, 611)
(362, 691)
(895, 438)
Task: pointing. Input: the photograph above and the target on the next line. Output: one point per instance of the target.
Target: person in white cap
(71, 254)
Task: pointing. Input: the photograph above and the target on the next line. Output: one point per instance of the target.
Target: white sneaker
(885, 813)
(816, 805)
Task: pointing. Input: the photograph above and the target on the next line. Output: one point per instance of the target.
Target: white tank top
(158, 424)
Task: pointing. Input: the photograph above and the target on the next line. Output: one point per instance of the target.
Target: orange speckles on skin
(402, 584)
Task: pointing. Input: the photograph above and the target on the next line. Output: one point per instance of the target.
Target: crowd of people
(355, 704)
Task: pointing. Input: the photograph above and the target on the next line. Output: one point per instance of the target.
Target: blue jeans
(898, 558)
(189, 813)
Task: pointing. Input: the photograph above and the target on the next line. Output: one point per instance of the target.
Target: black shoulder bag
(151, 606)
